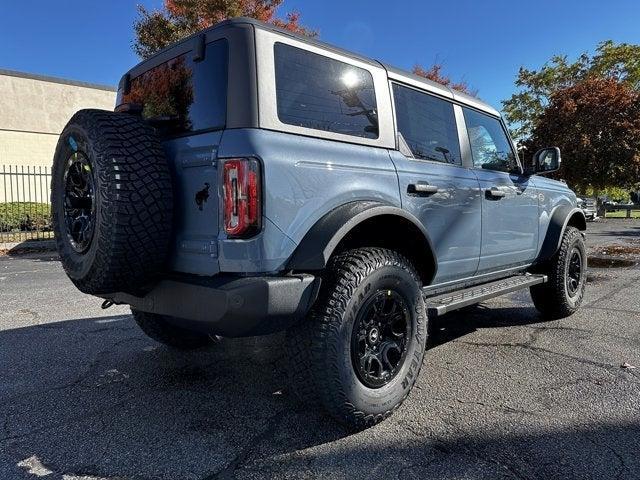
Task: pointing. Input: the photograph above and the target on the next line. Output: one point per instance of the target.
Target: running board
(441, 304)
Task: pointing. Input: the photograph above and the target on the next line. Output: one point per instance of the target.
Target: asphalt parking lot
(502, 394)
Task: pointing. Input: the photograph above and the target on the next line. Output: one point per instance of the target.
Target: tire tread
(133, 229)
(550, 298)
(313, 359)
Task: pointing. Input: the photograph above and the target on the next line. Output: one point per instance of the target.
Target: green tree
(620, 62)
(180, 18)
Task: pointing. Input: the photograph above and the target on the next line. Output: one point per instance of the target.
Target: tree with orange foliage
(434, 73)
(596, 124)
(164, 91)
(181, 18)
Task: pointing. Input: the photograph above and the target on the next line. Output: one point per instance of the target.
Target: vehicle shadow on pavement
(96, 398)
(599, 451)
(35, 256)
(459, 323)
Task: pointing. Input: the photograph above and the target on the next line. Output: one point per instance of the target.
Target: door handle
(422, 189)
(495, 192)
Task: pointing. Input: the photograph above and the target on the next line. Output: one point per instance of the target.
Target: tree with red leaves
(596, 124)
(435, 74)
(180, 18)
(620, 61)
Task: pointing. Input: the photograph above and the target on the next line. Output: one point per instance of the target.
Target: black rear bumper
(228, 305)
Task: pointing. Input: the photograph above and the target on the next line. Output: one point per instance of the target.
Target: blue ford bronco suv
(252, 181)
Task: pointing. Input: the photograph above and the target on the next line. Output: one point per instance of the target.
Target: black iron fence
(25, 207)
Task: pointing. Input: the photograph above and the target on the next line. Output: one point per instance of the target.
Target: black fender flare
(558, 222)
(321, 240)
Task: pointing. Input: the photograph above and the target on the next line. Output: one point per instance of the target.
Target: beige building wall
(33, 112)
(35, 109)
(27, 148)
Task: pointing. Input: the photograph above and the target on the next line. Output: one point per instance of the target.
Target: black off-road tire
(161, 329)
(555, 299)
(133, 202)
(319, 348)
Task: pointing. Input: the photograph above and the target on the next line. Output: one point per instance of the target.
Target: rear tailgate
(193, 161)
(186, 100)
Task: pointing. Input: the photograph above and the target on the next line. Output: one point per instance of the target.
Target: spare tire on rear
(112, 202)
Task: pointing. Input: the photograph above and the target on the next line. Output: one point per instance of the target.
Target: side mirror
(547, 160)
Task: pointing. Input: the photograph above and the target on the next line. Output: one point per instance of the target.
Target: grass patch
(623, 214)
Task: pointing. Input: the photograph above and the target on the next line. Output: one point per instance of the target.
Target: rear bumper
(230, 306)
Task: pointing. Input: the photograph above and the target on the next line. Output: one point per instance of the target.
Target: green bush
(24, 216)
(616, 194)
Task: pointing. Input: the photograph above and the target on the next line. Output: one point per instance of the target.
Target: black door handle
(421, 189)
(495, 192)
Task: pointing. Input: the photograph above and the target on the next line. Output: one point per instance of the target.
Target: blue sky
(482, 42)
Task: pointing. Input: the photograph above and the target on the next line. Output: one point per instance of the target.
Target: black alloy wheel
(574, 273)
(380, 337)
(79, 201)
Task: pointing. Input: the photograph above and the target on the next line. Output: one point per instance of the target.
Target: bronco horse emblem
(202, 196)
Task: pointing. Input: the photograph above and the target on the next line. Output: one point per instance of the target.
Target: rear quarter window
(182, 96)
(322, 93)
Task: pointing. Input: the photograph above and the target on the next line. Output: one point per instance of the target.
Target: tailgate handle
(199, 157)
(495, 192)
(422, 189)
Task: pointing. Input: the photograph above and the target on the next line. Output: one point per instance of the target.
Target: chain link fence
(25, 206)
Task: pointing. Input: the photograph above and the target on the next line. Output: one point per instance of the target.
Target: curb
(28, 246)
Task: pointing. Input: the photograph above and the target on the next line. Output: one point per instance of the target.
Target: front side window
(490, 146)
(427, 124)
(318, 92)
(181, 96)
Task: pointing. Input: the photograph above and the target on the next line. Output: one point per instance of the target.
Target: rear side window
(181, 96)
(490, 146)
(427, 124)
(318, 92)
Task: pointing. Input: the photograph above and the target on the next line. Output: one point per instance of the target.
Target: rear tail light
(242, 197)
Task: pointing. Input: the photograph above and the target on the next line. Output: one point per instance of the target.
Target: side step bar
(446, 302)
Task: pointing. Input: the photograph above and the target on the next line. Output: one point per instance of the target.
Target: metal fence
(25, 207)
(625, 210)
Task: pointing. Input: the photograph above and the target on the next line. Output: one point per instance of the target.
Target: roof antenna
(125, 84)
(199, 48)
